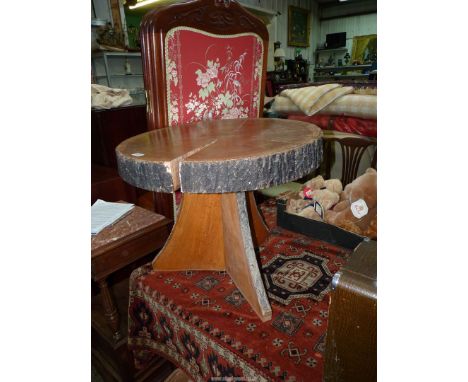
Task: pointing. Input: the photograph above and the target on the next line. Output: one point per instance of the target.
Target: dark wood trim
(347, 15)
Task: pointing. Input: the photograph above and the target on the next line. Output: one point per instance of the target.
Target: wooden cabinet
(108, 129)
(111, 127)
(276, 80)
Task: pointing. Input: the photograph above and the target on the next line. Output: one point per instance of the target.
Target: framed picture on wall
(298, 26)
(364, 49)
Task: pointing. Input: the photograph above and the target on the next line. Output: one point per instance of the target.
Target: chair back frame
(352, 150)
(218, 17)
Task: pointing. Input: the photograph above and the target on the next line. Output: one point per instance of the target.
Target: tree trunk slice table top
(214, 163)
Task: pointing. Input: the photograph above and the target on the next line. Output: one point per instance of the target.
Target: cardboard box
(313, 228)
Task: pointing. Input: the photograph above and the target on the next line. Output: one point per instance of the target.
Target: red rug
(200, 321)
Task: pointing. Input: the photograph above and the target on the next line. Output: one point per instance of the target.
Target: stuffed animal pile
(353, 209)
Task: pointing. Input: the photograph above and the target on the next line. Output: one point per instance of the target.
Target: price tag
(359, 208)
(317, 207)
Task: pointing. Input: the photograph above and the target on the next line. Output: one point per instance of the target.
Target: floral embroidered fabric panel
(212, 76)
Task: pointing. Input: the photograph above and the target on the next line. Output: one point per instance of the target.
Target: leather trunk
(351, 346)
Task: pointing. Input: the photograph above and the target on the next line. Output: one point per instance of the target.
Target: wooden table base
(213, 232)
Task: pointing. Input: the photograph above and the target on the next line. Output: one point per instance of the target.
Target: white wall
(282, 24)
(352, 25)
(102, 9)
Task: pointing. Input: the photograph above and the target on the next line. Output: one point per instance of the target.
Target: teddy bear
(357, 209)
(318, 183)
(315, 183)
(326, 192)
(302, 207)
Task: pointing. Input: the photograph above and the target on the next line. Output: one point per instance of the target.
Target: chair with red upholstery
(203, 59)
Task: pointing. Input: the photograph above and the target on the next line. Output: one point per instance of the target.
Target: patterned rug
(201, 322)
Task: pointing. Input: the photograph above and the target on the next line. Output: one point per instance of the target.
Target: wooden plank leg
(212, 232)
(258, 227)
(196, 241)
(241, 263)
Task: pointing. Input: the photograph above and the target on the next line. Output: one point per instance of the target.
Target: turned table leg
(110, 310)
(213, 232)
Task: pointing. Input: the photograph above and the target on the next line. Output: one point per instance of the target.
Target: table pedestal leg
(212, 232)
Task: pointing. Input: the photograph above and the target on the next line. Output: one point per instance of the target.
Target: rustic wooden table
(214, 163)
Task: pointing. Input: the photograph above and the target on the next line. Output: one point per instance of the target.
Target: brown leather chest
(351, 347)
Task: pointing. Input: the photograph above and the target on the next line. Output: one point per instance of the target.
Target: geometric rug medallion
(301, 276)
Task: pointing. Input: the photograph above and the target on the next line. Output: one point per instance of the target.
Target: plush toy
(318, 183)
(310, 213)
(302, 207)
(357, 209)
(325, 197)
(326, 192)
(334, 185)
(295, 206)
(315, 183)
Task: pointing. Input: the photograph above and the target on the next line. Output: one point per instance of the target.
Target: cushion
(353, 105)
(312, 99)
(284, 105)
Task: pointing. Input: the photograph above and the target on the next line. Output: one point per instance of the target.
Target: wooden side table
(216, 164)
(114, 252)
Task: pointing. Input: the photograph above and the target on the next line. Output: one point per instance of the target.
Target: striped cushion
(311, 99)
(353, 105)
(350, 105)
(284, 105)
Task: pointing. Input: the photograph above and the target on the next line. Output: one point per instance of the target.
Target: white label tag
(138, 154)
(359, 208)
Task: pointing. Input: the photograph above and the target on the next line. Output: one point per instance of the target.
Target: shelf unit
(342, 68)
(342, 49)
(334, 51)
(334, 72)
(121, 70)
(318, 69)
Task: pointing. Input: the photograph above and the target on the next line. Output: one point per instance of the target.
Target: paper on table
(104, 214)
